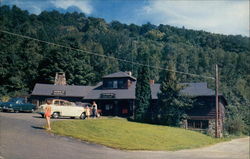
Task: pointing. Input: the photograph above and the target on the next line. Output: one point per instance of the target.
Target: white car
(63, 108)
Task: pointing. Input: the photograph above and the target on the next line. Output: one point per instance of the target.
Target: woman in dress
(47, 113)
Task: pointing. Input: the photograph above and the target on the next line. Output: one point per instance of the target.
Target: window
(56, 102)
(109, 84)
(120, 84)
(115, 85)
(198, 124)
(108, 107)
(68, 104)
(62, 103)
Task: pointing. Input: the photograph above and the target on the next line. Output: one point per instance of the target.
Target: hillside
(25, 62)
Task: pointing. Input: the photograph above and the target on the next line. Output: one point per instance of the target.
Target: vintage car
(63, 108)
(17, 105)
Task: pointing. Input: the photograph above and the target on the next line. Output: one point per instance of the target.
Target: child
(87, 112)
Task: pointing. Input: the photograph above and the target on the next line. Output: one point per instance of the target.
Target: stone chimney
(151, 82)
(60, 79)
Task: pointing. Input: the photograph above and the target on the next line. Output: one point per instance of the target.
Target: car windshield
(14, 100)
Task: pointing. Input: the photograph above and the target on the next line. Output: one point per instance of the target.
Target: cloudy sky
(217, 16)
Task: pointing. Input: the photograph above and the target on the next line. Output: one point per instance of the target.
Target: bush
(235, 125)
(5, 98)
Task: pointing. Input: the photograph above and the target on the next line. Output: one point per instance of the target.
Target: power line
(110, 57)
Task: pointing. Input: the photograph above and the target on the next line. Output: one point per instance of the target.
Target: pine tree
(143, 96)
(171, 103)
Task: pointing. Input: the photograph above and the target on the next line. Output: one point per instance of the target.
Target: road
(22, 137)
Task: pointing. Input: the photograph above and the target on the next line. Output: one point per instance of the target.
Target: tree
(172, 104)
(26, 62)
(143, 96)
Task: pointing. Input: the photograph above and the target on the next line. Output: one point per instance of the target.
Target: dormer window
(115, 83)
(109, 84)
(121, 84)
(118, 80)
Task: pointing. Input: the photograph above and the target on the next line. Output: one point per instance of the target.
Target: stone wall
(211, 128)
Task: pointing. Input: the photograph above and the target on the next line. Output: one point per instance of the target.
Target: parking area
(22, 137)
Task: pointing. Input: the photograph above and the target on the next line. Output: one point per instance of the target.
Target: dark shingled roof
(191, 89)
(119, 75)
(197, 89)
(70, 90)
(95, 92)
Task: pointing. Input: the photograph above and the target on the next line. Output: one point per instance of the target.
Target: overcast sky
(217, 16)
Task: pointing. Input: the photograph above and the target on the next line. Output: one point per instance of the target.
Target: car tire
(83, 116)
(42, 115)
(55, 115)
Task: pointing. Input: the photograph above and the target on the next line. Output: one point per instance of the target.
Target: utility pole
(217, 132)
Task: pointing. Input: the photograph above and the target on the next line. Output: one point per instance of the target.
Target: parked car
(64, 108)
(17, 105)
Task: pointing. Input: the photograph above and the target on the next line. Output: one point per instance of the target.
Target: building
(115, 96)
(202, 115)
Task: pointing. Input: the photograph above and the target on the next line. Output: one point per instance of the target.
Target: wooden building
(115, 96)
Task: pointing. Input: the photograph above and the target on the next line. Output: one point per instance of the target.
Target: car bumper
(7, 109)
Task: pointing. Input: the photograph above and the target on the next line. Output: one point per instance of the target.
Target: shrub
(5, 98)
(235, 125)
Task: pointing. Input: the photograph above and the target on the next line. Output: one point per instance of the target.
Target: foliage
(143, 96)
(237, 120)
(122, 134)
(5, 98)
(172, 105)
(26, 62)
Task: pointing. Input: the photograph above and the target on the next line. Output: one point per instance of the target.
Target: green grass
(122, 134)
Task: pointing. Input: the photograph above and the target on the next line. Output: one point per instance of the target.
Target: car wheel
(55, 115)
(42, 115)
(83, 116)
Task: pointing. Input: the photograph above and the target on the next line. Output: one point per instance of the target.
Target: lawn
(122, 134)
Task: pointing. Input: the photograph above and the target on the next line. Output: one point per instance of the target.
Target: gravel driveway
(22, 137)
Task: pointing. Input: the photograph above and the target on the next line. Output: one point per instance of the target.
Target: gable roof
(95, 92)
(69, 90)
(197, 89)
(119, 75)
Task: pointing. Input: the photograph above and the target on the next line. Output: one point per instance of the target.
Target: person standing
(47, 113)
(94, 109)
(87, 112)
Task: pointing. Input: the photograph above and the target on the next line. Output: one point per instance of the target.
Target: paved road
(22, 137)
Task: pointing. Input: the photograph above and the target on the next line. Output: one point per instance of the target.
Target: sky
(229, 17)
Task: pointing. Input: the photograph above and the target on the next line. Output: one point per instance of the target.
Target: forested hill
(25, 62)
